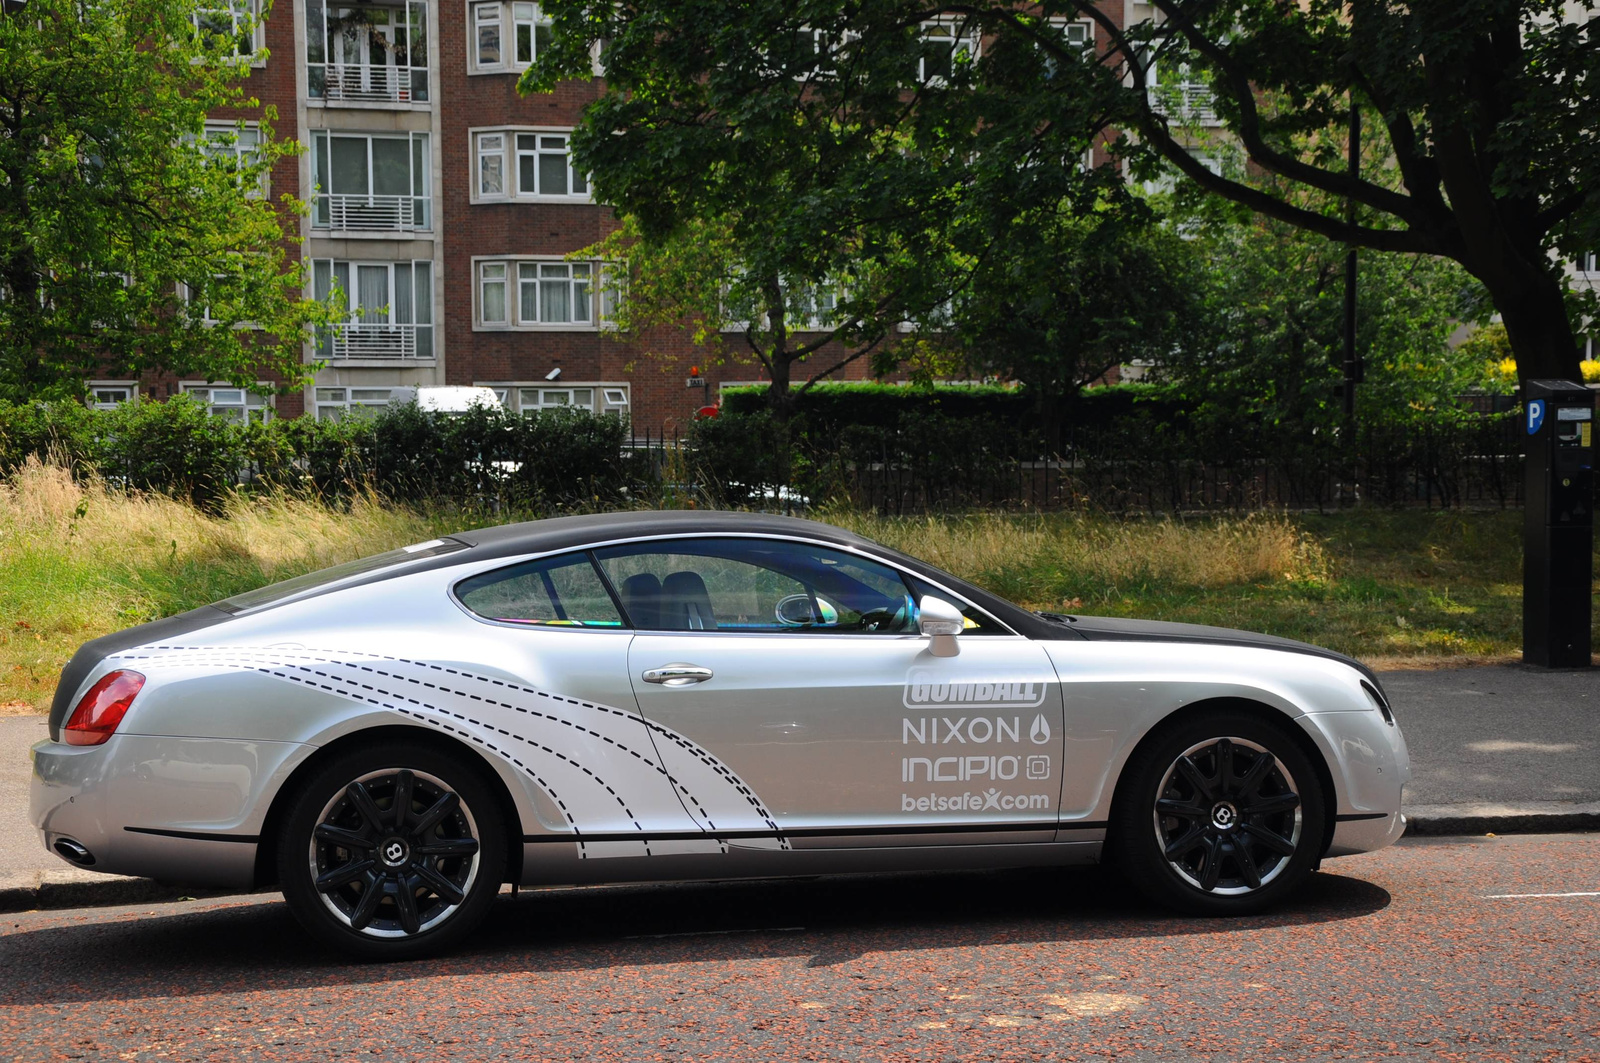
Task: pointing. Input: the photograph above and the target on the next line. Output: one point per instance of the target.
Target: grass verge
(1400, 588)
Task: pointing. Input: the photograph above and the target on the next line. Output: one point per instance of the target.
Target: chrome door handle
(677, 675)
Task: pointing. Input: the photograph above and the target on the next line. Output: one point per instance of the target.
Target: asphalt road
(1405, 953)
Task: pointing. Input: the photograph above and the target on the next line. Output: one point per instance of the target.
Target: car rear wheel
(1221, 815)
(392, 852)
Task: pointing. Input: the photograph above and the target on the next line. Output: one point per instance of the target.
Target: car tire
(383, 885)
(1222, 814)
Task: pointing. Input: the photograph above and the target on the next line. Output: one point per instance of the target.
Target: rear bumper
(180, 810)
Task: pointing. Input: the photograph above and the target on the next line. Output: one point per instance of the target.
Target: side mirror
(941, 622)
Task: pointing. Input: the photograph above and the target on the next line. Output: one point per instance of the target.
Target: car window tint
(561, 591)
(755, 585)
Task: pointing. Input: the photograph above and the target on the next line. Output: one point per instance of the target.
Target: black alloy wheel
(1222, 815)
(394, 852)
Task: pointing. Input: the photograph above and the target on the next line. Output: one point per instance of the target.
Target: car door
(798, 667)
(570, 718)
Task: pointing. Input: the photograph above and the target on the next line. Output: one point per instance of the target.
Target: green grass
(1395, 587)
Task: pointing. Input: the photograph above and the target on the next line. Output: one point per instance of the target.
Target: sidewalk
(1498, 749)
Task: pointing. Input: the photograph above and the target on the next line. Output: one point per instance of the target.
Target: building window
(492, 298)
(537, 293)
(335, 404)
(946, 45)
(487, 20)
(554, 293)
(227, 26)
(544, 167)
(491, 165)
(390, 306)
(596, 398)
(234, 404)
(1587, 263)
(541, 161)
(367, 53)
(533, 32)
(494, 51)
(1077, 35)
(107, 395)
(371, 183)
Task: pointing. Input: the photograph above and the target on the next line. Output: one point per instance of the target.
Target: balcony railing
(360, 339)
(1186, 102)
(373, 213)
(363, 83)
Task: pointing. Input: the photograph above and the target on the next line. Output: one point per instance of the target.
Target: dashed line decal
(586, 757)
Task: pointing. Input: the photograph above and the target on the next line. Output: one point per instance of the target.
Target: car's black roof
(562, 533)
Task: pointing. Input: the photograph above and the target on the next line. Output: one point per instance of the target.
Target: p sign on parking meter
(1535, 415)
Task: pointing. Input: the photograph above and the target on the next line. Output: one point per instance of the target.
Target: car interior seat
(686, 606)
(641, 599)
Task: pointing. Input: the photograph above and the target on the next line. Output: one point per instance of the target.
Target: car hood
(1119, 629)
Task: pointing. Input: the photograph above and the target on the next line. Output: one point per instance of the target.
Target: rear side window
(563, 591)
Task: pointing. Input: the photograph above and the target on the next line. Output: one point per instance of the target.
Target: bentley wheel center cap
(394, 852)
(1224, 816)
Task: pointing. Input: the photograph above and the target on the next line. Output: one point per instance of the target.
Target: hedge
(487, 456)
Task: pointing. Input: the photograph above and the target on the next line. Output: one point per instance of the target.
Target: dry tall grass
(78, 560)
(1030, 558)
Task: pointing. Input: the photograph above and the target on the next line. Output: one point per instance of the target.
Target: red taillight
(102, 708)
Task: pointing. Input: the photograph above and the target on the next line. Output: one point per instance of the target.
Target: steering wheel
(888, 619)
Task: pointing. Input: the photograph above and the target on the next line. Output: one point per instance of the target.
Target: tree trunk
(1535, 316)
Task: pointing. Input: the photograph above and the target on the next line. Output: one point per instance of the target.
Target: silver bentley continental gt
(659, 696)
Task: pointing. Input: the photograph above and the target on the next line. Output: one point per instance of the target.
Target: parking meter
(1558, 524)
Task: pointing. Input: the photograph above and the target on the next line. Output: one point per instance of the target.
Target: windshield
(289, 588)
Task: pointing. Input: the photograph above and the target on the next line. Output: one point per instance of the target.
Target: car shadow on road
(192, 949)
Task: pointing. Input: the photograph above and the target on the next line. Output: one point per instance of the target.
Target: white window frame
(487, 21)
(1587, 265)
(129, 387)
(422, 325)
(515, 274)
(522, 27)
(604, 397)
(238, 143)
(237, 11)
(951, 29)
(507, 146)
(344, 398)
(361, 82)
(1063, 25)
(415, 211)
(223, 399)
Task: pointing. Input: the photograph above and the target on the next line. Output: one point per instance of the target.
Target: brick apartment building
(447, 200)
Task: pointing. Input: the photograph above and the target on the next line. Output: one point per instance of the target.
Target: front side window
(756, 585)
(561, 591)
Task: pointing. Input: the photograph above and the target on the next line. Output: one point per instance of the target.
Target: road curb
(1441, 820)
(50, 889)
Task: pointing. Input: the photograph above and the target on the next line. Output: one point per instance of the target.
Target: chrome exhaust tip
(74, 852)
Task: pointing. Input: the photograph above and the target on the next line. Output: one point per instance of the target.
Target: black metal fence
(1472, 462)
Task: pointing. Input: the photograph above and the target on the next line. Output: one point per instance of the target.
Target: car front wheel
(1221, 815)
(392, 852)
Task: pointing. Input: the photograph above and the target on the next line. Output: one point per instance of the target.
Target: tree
(762, 161)
(1070, 298)
(1481, 149)
(131, 238)
(1481, 133)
